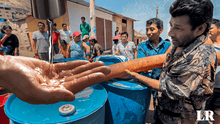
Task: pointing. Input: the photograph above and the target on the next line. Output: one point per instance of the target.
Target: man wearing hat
(76, 47)
(115, 44)
(96, 48)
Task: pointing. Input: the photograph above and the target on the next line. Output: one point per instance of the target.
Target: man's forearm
(3, 69)
(34, 48)
(16, 52)
(155, 84)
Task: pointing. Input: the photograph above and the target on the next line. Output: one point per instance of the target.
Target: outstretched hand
(32, 81)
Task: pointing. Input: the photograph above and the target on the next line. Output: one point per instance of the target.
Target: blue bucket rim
(13, 118)
(110, 83)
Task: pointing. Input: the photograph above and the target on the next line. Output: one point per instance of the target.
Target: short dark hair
(115, 41)
(216, 22)
(54, 24)
(122, 33)
(199, 12)
(116, 27)
(83, 18)
(41, 23)
(5, 27)
(64, 24)
(156, 21)
(94, 40)
(63, 42)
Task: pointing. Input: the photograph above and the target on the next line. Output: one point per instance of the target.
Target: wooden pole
(156, 11)
(92, 18)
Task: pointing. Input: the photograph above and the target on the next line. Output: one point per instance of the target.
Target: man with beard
(189, 69)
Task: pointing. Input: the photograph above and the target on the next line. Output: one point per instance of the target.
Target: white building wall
(76, 11)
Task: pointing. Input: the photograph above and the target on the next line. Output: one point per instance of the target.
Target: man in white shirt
(65, 34)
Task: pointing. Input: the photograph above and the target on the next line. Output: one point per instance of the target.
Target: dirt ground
(150, 113)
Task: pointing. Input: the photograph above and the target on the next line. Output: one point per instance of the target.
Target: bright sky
(145, 9)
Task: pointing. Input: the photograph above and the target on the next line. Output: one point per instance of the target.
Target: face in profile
(153, 32)
(181, 31)
(213, 32)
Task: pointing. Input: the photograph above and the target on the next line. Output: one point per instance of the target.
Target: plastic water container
(128, 101)
(89, 109)
(66, 60)
(111, 59)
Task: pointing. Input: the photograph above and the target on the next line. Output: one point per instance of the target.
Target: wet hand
(31, 81)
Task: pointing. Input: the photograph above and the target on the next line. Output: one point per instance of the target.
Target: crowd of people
(185, 82)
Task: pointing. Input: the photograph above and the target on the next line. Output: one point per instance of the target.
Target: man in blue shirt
(154, 46)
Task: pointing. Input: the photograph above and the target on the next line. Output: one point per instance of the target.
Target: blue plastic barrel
(128, 102)
(89, 105)
(111, 59)
(66, 60)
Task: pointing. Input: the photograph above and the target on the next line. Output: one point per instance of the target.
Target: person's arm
(80, 27)
(23, 69)
(84, 45)
(4, 38)
(117, 50)
(98, 53)
(135, 53)
(16, 51)
(68, 52)
(34, 47)
(134, 50)
(71, 38)
(89, 28)
(34, 44)
(16, 45)
(155, 84)
(59, 39)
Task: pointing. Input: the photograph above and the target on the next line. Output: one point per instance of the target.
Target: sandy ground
(150, 113)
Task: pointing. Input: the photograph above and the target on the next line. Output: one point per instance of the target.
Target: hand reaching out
(29, 79)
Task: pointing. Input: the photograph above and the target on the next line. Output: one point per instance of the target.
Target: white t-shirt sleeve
(70, 35)
(34, 36)
(133, 45)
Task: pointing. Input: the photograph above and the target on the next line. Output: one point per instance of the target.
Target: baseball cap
(116, 37)
(76, 33)
(85, 36)
(91, 38)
